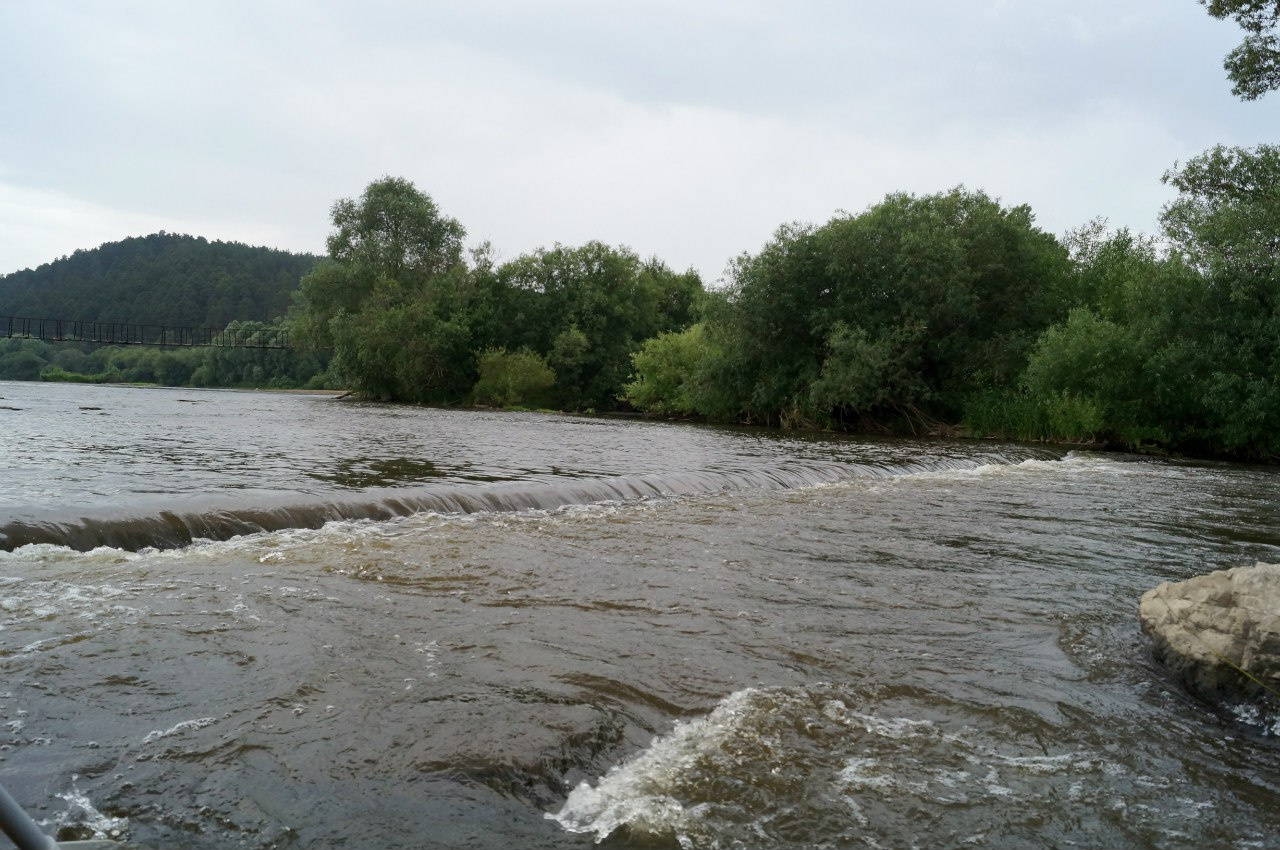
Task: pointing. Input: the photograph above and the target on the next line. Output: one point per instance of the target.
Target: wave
(137, 529)
(779, 767)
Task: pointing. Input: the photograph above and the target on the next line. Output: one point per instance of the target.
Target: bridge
(122, 333)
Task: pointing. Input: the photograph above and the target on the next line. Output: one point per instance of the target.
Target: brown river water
(271, 621)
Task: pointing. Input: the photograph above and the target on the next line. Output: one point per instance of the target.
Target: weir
(128, 333)
(170, 529)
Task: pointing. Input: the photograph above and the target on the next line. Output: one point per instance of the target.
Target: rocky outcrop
(1209, 628)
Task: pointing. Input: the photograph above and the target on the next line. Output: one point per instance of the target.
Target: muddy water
(449, 629)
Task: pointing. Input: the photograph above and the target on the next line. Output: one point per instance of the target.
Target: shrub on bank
(507, 379)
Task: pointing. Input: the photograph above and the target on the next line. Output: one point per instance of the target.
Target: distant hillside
(161, 279)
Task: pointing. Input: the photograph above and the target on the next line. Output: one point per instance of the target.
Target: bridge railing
(125, 333)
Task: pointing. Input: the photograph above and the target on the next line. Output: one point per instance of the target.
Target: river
(279, 621)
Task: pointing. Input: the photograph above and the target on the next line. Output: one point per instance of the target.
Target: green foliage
(1175, 352)
(161, 279)
(1226, 219)
(1010, 413)
(405, 351)
(1104, 363)
(322, 295)
(1254, 66)
(21, 365)
(200, 367)
(520, 379)
(393, 299)
(587, 310)
(1226, 223)
(396, 312)
(949, 308)
(670, 377)
(394, 233)
(70, 359)
(572, 360)
(1127, 358)
(238, 367)
(869, 371)
(392, 243)
(898, 313)
(919, 312)
(57, 374)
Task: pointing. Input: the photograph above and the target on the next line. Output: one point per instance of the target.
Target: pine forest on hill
(161, 279)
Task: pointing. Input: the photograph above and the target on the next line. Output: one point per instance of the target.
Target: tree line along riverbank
(921, 314)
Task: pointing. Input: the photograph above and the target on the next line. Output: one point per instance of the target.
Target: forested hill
(161, 279)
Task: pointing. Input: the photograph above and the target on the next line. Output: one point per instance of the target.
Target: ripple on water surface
(837, 766)
(934, 648)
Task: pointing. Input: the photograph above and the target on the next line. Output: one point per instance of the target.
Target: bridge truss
(123, 333)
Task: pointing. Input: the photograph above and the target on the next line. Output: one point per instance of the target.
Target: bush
(1056, 417)
(667, 370)
(21, 366)
(522, 379)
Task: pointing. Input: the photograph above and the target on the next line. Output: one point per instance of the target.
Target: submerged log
(1220, 632)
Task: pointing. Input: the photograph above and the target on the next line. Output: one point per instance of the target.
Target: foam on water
(1264, 718)
(81, 820)
(1073, 464)
(28, 600)
(766, 760)
(179, 728)
(641, 794)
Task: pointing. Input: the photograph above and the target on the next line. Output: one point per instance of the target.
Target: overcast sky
(688, 130)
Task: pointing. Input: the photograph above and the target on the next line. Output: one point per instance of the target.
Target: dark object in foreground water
(19, 826)
(26, 835)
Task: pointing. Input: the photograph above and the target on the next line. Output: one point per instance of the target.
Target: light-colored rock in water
(1206, 627)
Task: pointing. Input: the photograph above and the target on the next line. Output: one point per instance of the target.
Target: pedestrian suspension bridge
(123, 333)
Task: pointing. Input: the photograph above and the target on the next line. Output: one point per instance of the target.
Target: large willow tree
(389, 299)
(391, 242)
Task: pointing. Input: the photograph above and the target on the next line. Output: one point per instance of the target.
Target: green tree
(71, 359)
(394, 298)
(241, 367)
(1226, 218)
(394, 233)
(1254, 66)
(1179, 352)
(136, 364)
(1226, 223)
(174, 368)
(21, 364)
(406, 350)
(393, 241)
(573, 362)
(895, 315)
(871, 370)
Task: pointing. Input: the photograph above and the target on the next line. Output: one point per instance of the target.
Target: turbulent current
(264, 620)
